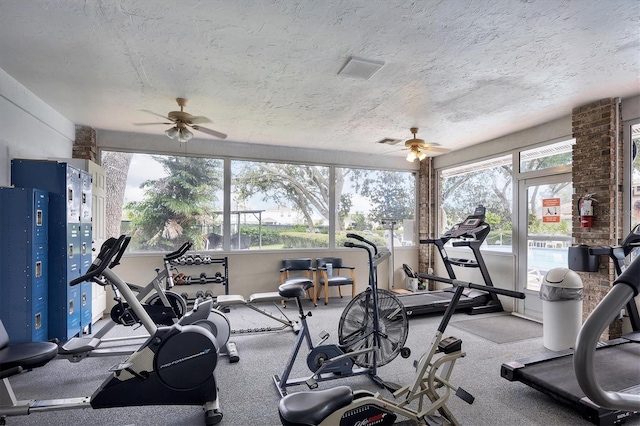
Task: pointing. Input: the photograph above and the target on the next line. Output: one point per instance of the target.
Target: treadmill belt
(617, 369)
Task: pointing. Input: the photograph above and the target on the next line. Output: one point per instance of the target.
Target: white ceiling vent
(360, 68)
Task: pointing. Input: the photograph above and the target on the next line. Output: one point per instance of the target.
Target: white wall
(30, 127)
(258, 272)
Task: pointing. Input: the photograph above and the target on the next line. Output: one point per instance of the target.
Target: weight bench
(225, 301)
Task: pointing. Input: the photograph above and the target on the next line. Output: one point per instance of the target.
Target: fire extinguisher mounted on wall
(585, 208)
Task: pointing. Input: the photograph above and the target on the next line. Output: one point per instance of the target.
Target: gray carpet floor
(500, 328)
(248, 395)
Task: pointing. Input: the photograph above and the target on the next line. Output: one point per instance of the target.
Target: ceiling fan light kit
(417, 147)
(183, 120)
(180, 134)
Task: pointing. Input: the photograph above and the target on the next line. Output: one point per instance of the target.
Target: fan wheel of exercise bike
(355, 329)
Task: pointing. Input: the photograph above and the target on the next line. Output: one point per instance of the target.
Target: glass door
(544, 210)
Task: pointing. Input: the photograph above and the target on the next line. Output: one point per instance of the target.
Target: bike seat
(23, 356)
(311, 408)
(295, 287)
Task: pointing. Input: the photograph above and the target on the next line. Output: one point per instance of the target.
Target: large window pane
(279, 206)
(371, 201)
(169, 200)
(487, 183)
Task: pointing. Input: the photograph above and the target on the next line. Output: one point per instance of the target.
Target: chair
(301, 268)
(324, 281)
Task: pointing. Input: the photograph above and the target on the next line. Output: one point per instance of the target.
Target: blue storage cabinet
(86, 234)
(23, 263)
(63, 182)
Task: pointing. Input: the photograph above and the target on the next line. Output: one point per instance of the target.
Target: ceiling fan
(182, 121)
(418, 148)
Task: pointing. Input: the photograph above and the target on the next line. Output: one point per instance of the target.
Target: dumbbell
(208, 294)
(203, 278)
(197, 259)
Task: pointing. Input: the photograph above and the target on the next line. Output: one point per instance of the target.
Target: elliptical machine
(175, 366)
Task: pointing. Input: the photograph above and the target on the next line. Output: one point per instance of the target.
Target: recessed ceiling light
(360, 68)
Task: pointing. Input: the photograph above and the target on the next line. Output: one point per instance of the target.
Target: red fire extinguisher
(585, 208)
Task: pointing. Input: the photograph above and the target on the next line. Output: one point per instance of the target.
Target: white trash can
(561, 293)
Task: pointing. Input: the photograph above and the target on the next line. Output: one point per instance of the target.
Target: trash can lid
(562, 277)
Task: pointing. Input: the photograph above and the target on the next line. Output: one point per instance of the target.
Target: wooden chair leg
(340, 291)
(353, 286)
(326, 291)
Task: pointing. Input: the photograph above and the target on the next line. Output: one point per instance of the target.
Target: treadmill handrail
(624, 289)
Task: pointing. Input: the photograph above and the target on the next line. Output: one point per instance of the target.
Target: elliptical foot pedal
(465, 396)
(232, 349)
(119, 367)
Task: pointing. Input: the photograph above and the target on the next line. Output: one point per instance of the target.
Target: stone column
(594, 171)
(85, 146)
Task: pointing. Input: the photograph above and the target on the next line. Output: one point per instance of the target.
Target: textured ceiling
(265, 72)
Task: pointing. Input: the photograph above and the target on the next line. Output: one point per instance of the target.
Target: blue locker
(63, 182)
(23, 263)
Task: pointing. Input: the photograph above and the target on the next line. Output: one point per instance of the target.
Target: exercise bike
(175, 366)
(372, 332)
(430, 388)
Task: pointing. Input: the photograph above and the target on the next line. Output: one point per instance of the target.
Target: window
(548, 156)
(169, 200)
(279, 206)
(379, 204)
(487, 183)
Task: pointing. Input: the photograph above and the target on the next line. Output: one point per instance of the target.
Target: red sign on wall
(551, 210)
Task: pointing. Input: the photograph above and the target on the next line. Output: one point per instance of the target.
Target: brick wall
(85, 144)
(594, 164)
(426, 214)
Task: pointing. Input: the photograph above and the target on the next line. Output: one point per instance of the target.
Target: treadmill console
(470, 227)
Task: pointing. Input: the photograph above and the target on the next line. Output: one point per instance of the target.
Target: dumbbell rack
(185, 281)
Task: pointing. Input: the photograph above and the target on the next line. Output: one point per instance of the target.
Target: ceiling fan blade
(198, 119)
(436, 149)
(209, 132)
(157, 115)
(149, 124)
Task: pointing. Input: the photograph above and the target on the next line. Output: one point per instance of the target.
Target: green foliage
(301, 240)
(175, 207)
(270, 236)
(391, 195)
(538, 227)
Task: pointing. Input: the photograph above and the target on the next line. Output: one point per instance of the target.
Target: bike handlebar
(109, 249)
(116, 261)
(364, 240)
(179, 252)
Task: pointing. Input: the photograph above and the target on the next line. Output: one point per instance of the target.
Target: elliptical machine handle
(109, 249)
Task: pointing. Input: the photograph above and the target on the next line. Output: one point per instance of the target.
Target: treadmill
(618, 360)
(469, 233)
